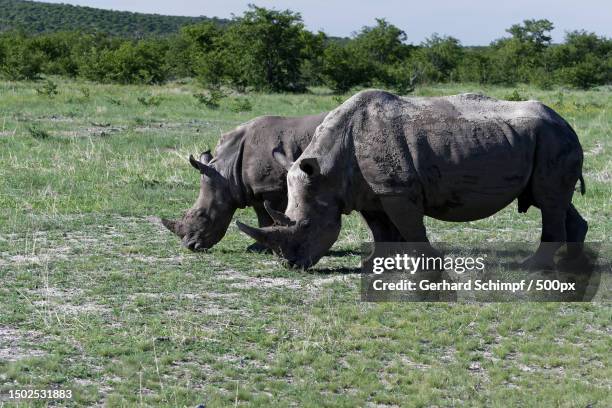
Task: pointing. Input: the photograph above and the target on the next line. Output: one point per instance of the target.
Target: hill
(35, 17)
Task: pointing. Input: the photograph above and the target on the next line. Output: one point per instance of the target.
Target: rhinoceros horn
(173, 226)
(272, 237)
(278, 217)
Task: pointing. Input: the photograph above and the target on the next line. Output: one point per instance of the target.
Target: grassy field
(96, 297)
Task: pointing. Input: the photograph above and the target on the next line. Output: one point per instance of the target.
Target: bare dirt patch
(600, 176)
(64, 301)
(598, 149)
(16, 344)
(266, 283)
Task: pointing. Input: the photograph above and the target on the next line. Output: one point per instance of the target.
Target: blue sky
(474, 22)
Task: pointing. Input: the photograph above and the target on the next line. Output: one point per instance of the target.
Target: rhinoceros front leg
(381, 227)
(264, 220)
(408, 218)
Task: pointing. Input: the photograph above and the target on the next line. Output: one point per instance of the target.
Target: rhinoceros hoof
(259, 248)
(536, 263)
(578, 264)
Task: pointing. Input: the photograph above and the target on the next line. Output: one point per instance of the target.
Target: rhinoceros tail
(582, 185)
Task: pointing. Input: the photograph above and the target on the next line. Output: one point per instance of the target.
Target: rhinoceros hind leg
(576, 229)
(553, 237)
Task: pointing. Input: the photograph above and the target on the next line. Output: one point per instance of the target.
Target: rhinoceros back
(468, 146)
(248, 150)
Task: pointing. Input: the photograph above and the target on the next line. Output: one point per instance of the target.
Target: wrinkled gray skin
(242, 173)
(456, 158)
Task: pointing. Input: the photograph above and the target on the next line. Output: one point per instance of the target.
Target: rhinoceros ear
(202, 168)
(194, 163)
(310, 166)
(280, 157)
(206, 157)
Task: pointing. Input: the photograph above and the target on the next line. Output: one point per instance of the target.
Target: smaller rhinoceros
(243, 173)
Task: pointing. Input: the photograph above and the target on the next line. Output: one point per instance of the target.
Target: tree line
(270, 50)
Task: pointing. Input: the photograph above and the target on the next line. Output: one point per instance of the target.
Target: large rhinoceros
(243, 173)
(456, 158)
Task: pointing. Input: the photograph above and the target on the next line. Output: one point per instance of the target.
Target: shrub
(240, 105)
(131, 63)
(141, 62)
(587, 73)
(514, 96)
(152, 100)
(439, 58)
(210, 98)
(38, 133)
(49, 89)
(341, 69)
(402, 78)
(20, 60)
(85, 92)
(57, 50)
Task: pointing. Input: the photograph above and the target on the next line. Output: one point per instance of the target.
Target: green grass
(96, 297)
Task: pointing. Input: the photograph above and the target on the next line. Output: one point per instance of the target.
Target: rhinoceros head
(311, 223)
(206, 222)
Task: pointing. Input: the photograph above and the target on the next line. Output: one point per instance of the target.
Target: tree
(266, 48)
(520, 58)
(475, 65)
(584, 60)
(313, 53)
(19, 57)
(381, 44)
(442, 55)
(207, 53)
(341, 69)
(140, 62)
(536, 32)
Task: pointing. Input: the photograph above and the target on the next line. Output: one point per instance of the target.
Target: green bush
(587, 73)
(240, 105)
(151, 100)
(210, 98)
(49, 89)
(38, 133)
(514, 96)
(402, 78)
(439, 58)
(341, 69)
(19, 58)
(140, 62)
